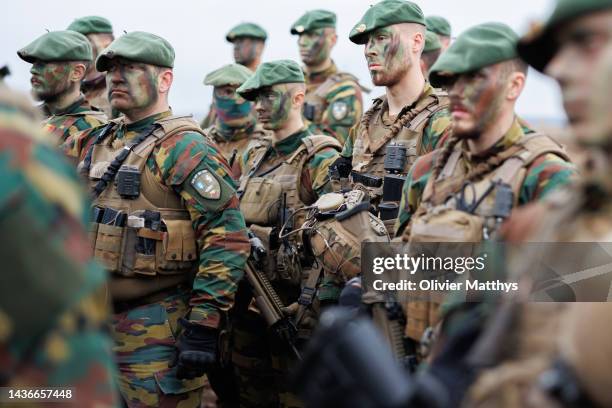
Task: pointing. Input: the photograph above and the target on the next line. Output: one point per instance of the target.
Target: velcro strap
(150, 234)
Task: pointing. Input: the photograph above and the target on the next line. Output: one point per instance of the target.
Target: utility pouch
(127, 182)
(392, 187)
(259, 203)
(445, 225)
(177, 251)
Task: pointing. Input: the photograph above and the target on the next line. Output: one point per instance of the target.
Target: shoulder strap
(264, 148)
(313, 144)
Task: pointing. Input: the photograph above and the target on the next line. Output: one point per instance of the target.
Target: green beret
(538, 47)
(312, 20)
(231, 74)
(383, 14)
(271, 73)
(140, 47)
(432, 42)
(91, 25)
(438, 25)
(246, 30)
(480, 46)
(57, 46)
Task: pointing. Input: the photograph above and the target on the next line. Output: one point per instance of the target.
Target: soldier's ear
(516, 83)
(298, 97)
(78, 71)
(165, 80)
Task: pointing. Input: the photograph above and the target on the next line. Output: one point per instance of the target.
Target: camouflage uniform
(74, 119)
(295, 168)
(235, 146)
(59, 342)
(196, 250)
(335, 100)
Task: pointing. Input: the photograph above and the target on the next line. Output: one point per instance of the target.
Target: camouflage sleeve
(66, 126)
(413, 190)
(77, 144)
(316, 171)
(546, 174)
(344, 109)
(56, 320)
(436, 128)
(198, 172)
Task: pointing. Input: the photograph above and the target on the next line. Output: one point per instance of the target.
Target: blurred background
(197, 31)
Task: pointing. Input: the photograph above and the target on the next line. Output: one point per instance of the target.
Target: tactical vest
(316, 103)
(118, 245)
(369, 155)
(266, 185)
(441, 216)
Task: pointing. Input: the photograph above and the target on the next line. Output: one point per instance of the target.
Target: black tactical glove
(196, 350)
(341, 167)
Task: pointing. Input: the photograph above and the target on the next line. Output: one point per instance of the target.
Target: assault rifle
(266, 297)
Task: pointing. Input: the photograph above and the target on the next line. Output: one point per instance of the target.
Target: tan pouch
(109, 247)
(259, 203)
(178, 250)
(446, 225)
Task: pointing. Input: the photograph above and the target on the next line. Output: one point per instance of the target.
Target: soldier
(491, 154)
(569, 367)
(442, 28)
(166, 225)
(59, 62)
(404, 123)
(52, 298)
(236, 120)
(249, 40)
(289, 169)
(333, 98)
(431, 52)
(99, 32)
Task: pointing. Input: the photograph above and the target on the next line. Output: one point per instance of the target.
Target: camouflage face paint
(245, 50)
(385, 56)
(233, 112)
(476, 100)
(131, 85)
(50, 80)
(314, 46)
(273, 106)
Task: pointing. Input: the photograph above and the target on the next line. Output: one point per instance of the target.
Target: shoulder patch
(206, 185)
(339, 110)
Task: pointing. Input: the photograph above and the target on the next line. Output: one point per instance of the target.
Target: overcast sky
(197, 31)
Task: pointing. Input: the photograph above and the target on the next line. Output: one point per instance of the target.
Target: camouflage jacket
(220, 230)
(333, 102)
(52, 322)
(544, 175)
(75, 118)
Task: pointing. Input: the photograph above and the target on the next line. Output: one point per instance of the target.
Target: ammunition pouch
(443, 224)
(260, 202)
(170, 250)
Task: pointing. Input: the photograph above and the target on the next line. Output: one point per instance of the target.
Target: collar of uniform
(80, 105)
(146, 122)
(291, 143)
(321, 76)
(513, 135)
(386, 120)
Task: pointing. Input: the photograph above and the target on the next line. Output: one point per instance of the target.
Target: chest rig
(459, 207)
(383, 154)
(271, 196)
(232, 150)
(140, 226)
(315, 102)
